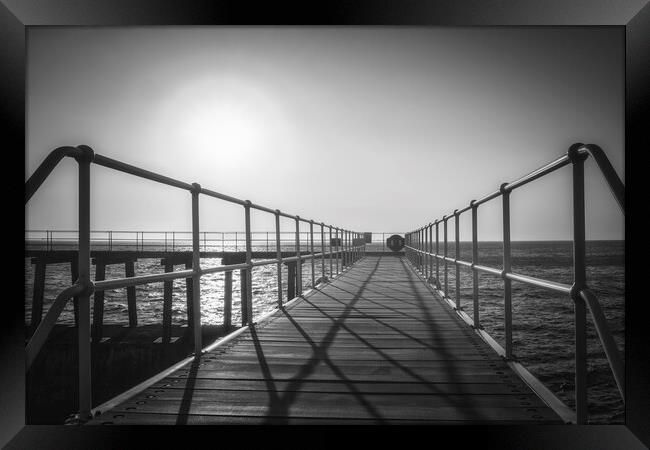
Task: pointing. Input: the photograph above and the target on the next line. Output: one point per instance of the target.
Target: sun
(226, 120)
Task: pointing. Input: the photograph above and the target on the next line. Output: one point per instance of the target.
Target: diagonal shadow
(452, 368)
(397, 330)
(188, 393)
(279, 405)
(380, 305)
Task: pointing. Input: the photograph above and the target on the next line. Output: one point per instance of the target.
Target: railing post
(477, 323)
(196, 268)
(85, 391)
(330, 251)
(425, 258)
(457, 257)
(437, 254)
(425, 246)
(322, 249)
(298, 261)
(579, 283)
(278, 255)
(344, 249)
(444, 220)
(338, 250)
(420, 258)
(507, 267)
(430, 250)
(311, 248)
(249, 262)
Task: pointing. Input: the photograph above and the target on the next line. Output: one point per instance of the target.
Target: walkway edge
(567, 414)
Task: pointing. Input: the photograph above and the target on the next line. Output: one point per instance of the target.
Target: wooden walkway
(373, 346)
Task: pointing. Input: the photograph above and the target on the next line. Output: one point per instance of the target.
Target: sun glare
(223, 119)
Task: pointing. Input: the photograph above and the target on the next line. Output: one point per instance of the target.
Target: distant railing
(346, 242)
(420, 251)
(171, 241)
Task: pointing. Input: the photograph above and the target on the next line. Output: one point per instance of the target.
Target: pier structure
(378, 341)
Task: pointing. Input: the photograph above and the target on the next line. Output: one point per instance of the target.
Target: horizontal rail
(118, 283)
(141, 173)
(551, 285)
(83, 151)
(546, 284)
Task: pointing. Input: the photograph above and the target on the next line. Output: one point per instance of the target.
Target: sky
(367, 128)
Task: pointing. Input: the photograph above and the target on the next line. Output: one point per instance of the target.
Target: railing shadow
(279, 405)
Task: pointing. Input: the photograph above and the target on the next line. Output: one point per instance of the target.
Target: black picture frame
(17, 15)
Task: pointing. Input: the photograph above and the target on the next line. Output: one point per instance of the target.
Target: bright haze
(369, 128)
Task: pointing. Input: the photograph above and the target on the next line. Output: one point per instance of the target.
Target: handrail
(613, 181)
(419, 249)
(350, 252)
(47, 166)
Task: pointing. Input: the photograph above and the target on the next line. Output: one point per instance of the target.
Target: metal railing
(421, 252)
(348, 247)
(171, 241)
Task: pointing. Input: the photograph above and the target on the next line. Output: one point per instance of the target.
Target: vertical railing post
(322, 248)
(355, 246)
(196, 268)
(330, 252)
(457, 257)
(298, 261)
(249, 263)
(338, 250)
(444, 220)
(437, 254)
(425, 257)
(344, 249)
(579, 283)
(417, 247)
(430, 274)
(278, 254)
(477, 323)
(311, 248)
(507, 283)
(85, 391)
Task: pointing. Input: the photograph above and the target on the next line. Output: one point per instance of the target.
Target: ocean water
(542, 320)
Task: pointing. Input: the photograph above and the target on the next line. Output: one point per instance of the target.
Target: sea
(543, 331)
